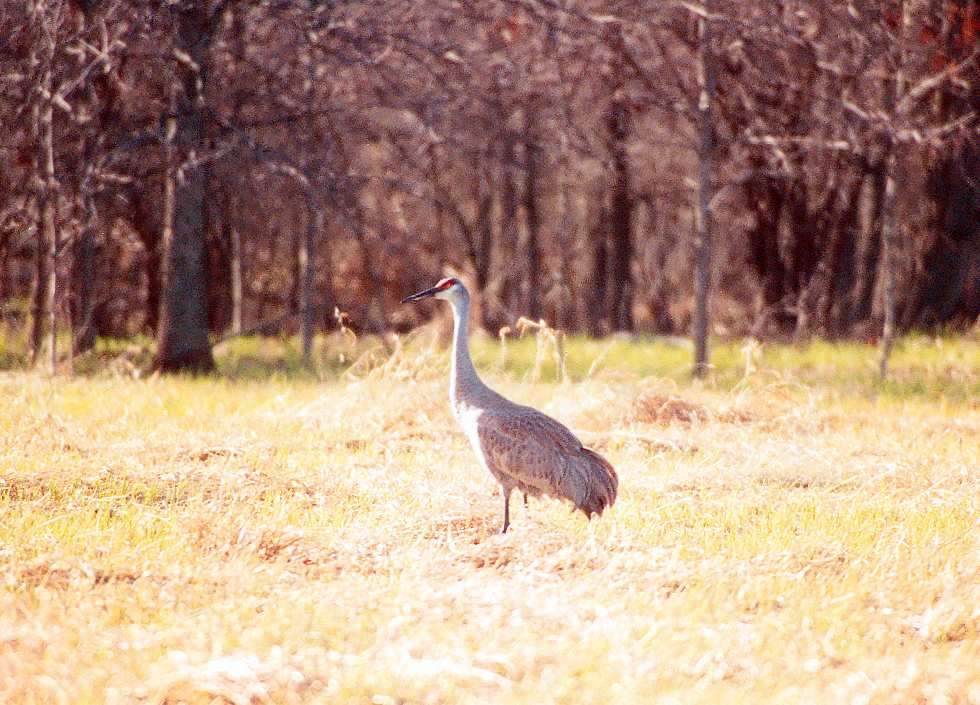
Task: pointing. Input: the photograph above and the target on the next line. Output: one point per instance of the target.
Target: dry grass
(202, 541)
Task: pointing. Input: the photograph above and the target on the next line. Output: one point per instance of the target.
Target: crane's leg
(525, 499)
(506, 492)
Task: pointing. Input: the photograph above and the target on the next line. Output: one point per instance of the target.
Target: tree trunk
(49, 211)
(768, 202)
(533, 216)
(183, 337)
(154, 279)
(804, 249)
(482, 233)
(218, 258)
(38, 297)
(863, 292)
(621, 220)
(842, 253)
(52, 294)
(239, 46)
(600, 263)
(659, 296)
(5, 284)
(565, 310)
(296, 247)
(702, 241)
(508, 247)
(889, 230)
(889, 244)
(83, 274)
(307, 251)
(235, 247)
(83, 277)
(45, 282)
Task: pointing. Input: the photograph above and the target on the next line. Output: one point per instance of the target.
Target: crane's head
(449, 288)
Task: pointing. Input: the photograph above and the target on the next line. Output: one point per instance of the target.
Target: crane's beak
(421, 295)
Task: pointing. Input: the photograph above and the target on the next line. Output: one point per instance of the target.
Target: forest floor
(789, 531)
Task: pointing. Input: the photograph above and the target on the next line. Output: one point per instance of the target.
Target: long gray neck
(463, 380)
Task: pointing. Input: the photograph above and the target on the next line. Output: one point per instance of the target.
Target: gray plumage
(521, 447)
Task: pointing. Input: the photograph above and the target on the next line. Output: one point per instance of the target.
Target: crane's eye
(446, 283)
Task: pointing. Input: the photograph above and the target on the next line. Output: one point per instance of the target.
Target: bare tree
(558, 153)
(183, 336)
(890, 225)
(45, 21)
(702, 243)
(532, 210)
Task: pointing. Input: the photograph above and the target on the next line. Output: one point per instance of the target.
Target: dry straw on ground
(201, 541)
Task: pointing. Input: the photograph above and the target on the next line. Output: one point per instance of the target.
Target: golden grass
(287, 541)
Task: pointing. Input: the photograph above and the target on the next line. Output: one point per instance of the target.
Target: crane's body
(521, 447)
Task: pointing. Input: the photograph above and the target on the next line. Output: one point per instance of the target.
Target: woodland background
(191, 170)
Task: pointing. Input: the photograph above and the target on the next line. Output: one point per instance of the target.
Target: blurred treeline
(198, 169)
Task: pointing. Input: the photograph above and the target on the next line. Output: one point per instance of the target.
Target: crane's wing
(528, 448)
(533, 450)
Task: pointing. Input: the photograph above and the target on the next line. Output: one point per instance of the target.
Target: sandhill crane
(523, 448)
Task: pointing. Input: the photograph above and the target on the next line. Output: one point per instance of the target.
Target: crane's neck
(463, 380)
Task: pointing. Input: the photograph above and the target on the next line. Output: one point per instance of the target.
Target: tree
(183, 336)
(294, 156)
(702, 242)
(45, 21)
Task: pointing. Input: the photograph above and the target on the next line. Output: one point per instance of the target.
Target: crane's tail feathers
(591, 483)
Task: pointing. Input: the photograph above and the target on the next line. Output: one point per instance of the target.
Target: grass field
(790, 531)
